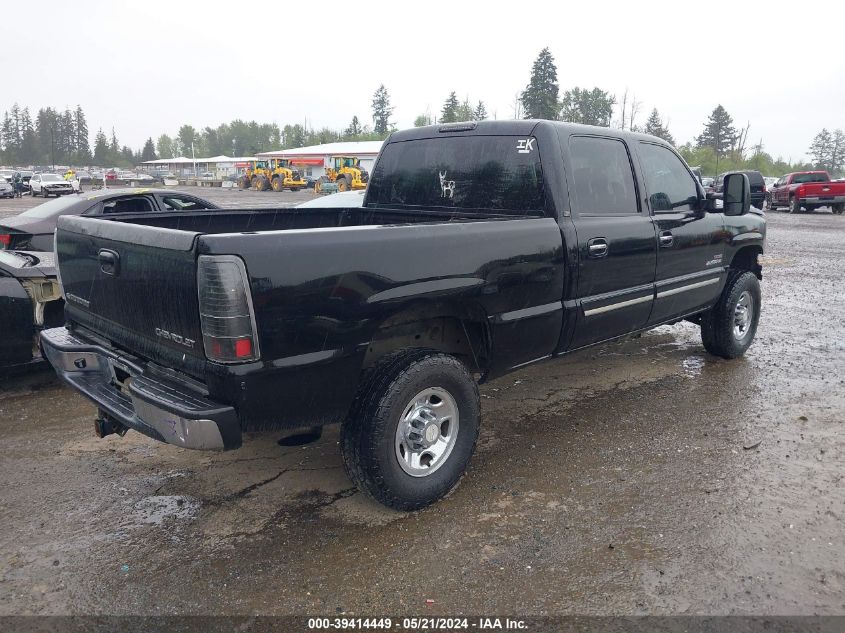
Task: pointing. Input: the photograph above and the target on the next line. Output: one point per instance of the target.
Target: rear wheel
(244, 183)
(729, 327)
(839, 209)
(412, 429)
(794, 205)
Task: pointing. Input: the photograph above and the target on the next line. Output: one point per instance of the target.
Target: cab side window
(670, 185)
(604, 181)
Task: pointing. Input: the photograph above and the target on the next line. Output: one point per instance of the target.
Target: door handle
(666, 239)
(109, 261)
(597, 247)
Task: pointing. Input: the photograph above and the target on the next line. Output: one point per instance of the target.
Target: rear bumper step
(160, 408)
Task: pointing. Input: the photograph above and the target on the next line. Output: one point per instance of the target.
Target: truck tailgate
(135, 286)
(823, 190)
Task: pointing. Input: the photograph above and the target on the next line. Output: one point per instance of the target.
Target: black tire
(260, 183)
(344, 183)
(839, 208)
(794, 205)
(718, 323)
(244, 183)
(368, 437)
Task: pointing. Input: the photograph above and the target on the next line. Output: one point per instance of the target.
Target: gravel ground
(637, 477)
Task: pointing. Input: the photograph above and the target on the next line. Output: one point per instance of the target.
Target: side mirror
(736, 194)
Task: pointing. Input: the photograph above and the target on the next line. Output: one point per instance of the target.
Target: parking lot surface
(643, 476)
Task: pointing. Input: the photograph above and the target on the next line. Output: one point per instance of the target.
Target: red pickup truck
(810, 190)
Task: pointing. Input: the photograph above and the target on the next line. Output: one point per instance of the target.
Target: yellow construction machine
(276, 174)
(346, 173)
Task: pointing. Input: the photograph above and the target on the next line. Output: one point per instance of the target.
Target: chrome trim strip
(527, 313)
(616, 306)
(674, 291)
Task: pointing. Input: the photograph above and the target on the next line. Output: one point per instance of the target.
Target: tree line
(62, 136)
(56, 136)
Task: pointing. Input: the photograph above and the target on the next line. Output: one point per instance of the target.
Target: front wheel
(412, 429)
(729, 327)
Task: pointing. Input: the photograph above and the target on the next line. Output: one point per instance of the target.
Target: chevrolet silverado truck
(479, 248)
(808, 190)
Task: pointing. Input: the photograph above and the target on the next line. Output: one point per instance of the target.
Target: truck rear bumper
(127, 391)
(823, 200)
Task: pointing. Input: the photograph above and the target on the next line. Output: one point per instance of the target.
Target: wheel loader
(345, 172)
(276, 174)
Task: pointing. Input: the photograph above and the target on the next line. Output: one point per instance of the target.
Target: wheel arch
(457, 329)
(747, 258)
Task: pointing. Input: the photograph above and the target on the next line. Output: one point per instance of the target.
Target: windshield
(801, 178)
(51, 178)
(52, 208)
(491, 173)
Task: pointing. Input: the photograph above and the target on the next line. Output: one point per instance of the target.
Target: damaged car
(33, 230)
(30, 300)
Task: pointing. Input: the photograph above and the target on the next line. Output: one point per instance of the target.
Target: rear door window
(670, 185)
(137, 204)
(484, 173)
(182, 203)
(604, 181)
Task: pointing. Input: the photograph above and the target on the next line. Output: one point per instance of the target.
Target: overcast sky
(148, 67)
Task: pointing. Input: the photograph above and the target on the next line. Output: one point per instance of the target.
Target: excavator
(276, 174)
(346, 173)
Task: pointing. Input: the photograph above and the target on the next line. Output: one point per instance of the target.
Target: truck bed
(258, 220)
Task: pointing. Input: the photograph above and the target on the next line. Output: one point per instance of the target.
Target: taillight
(226, 315)
(801, 191)
(5, 241)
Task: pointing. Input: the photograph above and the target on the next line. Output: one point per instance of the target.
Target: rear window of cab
(484, 173)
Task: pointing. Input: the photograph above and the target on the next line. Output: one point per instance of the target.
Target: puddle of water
(157, 509)
(692, 366)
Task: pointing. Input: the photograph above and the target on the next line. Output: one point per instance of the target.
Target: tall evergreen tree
(590, 107)
(654, 126)
(480, 112)
(29, 147)
(381, 111)
(449, 113)
(101, 149)
(540, 97)
(114, 145)
(719, 132)
(83, 145)
(465, 111)
(7, 138)
(149, 151)
(354, 129)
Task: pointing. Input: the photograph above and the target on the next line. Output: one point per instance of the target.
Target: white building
(314, 159)
(219, 166)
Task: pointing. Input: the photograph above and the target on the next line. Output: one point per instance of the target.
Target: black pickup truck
(479, 248)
